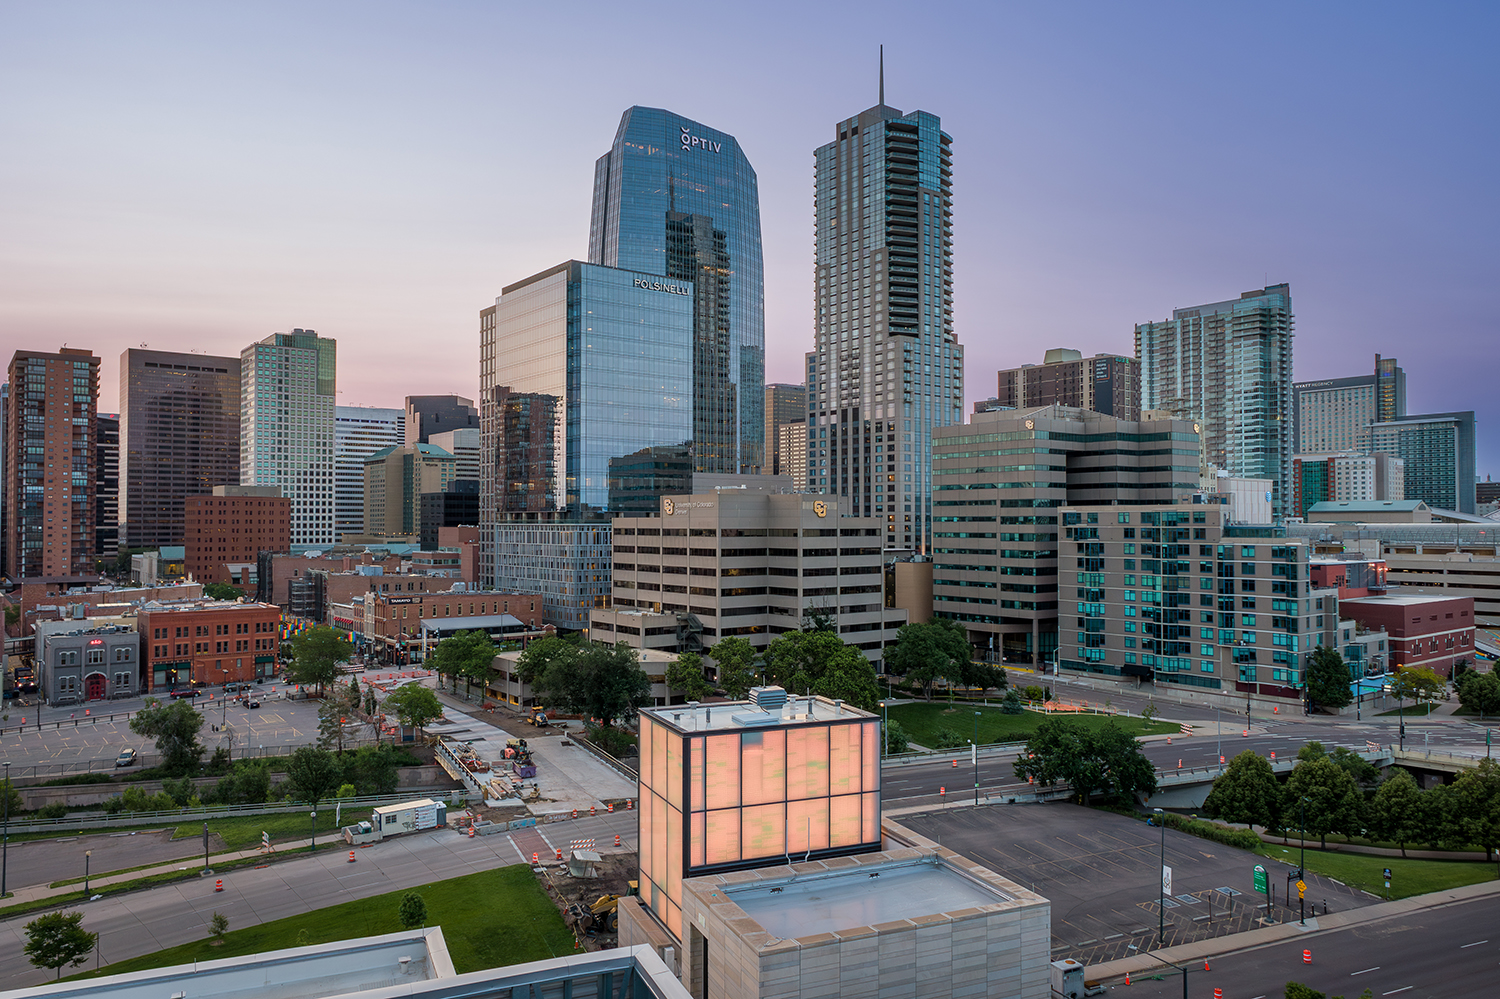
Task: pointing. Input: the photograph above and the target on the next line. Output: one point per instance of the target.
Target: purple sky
(197, 176)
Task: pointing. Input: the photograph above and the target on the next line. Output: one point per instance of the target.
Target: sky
(198, 176)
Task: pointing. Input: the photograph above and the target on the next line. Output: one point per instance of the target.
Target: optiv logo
(690, 141)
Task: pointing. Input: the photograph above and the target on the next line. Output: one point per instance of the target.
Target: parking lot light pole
(1161, 879)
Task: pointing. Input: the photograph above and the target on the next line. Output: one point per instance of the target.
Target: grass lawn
(922, 722)
(1408, 877)
(489, 919)
(243, 832)
(1410, 711)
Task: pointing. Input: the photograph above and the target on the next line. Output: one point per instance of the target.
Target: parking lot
(1100, 872)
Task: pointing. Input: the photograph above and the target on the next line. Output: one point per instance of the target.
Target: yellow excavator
(603, 915)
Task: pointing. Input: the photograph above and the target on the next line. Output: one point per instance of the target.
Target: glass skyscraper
(678, 199)
(886, 368)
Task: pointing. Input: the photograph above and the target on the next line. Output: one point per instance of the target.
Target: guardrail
(106, 820)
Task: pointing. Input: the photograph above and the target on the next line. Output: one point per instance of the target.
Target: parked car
(126, 758)
(184, 692)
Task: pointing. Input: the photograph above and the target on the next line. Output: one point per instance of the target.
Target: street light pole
(1161, 878)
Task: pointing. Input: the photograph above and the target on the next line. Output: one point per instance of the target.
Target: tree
(467, 654)
(1479, 692)
(685, 673)
(175, 728)
(818, 662)
(413, 911)
(1417, 683)
(316, 655)
(735, 659)
(541, 655)
(602, 682)
(896, 739)
(1328, 679)
(58, 938)
(1334, 802)
(1394, 809)
(1246, 792)
(1478, 791)
(312, 775)
(928, 651)
(221, 591)
(219, 925)
(1104, 760)
(413, 705)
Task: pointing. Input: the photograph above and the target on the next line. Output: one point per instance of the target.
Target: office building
(1335, 414)
(464, 446)
(784, 404)
(227, 530)
(358, 432)
(886, 368)
(50, 426)
(1104, 383)
(179, 437)
(107, 471)
(1317, 478)
(287, 393)
(426, 415)
(1438, 452)
(1174, 595)
(998, 483)
(200, 642)
(678, 200)
(1227, 366)
(749, 564)
(395, 479)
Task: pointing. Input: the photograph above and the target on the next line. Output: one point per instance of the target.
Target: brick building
(204, 642)
(225, 532)
(1426, 631)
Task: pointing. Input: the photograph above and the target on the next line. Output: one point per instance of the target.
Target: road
(1446, 952)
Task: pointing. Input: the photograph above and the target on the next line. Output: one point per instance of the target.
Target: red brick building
(226, 531)
(207, 642)
(1424, 631)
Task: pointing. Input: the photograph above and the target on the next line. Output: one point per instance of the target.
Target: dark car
(185, 692)
(126, 758)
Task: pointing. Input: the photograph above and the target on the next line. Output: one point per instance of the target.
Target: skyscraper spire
(882, 75)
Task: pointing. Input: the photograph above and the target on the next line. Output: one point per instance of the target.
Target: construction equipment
(538, 717)
(601, 917)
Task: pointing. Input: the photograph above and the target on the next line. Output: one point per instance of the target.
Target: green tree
(541, 655)
(1417, 683)
(735, 659)
(1105, 760)
(685, 673)
(466, 655)
(1328, 679)
(219, 925)
(1478, 791)
(1394, 811)
(602, 682)
(175, 728)
(1479, 692)
(896, 739)
(221, 591)
(1246, 792)
(316, 654)
(58, 938)
(312, 774)
(930, 651)
(1333, 801)
(413, 705)
(413, 911)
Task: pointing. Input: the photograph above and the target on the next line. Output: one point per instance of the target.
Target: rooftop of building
(768, 707)
(1367, 506)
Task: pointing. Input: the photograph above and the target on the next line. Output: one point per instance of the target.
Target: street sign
(1301, 889)
(1260, 878)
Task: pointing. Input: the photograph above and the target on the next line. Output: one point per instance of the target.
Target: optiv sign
(690, 141)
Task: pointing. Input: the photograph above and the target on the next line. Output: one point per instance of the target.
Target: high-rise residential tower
(358, 432)
(784, 404)
(676, 198)
(1227, 366)
(179, 437)
(1335, 414)
(51, 481)
(287, 395)
(886, 368)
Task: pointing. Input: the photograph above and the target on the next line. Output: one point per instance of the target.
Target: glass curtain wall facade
(886, 368)
(1228, 367)
(287, 395)
(179, 437)
(678, 199)
(358, 432)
